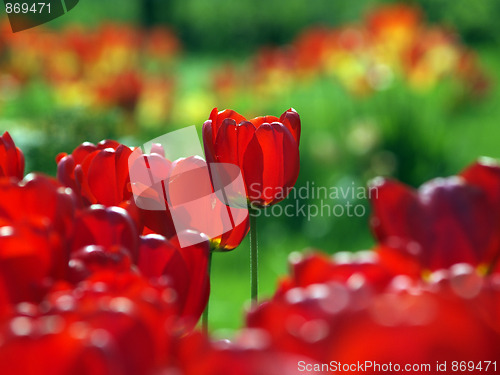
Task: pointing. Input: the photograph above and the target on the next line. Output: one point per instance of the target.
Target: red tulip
(11, 158)
(443, 321)
(376, 268)
(38, 199)
(111, 324)
(123, 90)
(186, 269)
(265, 148)
(179, 196)
(36, 223)
(447, 221)
(98, 174)
(352, 320)
(195, 205)
(249, 354)
(108, 227)
(148, 173)
(31, 256)
(92, 259)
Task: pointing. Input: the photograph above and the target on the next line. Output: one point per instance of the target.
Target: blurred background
(408, 90)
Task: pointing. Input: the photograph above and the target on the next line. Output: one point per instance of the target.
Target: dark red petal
(122, 172)
(291, 120)
(11, 158)
(208, 141)
(393, 204)
(91, 259)
(486, 175)
(109, 227)
(229, 113)
(66, 172)
(196, 259)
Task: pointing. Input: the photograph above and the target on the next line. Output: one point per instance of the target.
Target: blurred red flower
(191, 187)
(265, 148)
(355, 317)
(185, 268)
(123, 91)
(111, 324)
(447, 221)
(109, 227)
(11, 158)
(99, 174)
(36, 224)
(183, 190)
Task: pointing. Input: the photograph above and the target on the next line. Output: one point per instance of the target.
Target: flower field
(336, 207)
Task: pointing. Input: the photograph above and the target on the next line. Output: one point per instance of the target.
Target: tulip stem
(253, 257)
(204, 317)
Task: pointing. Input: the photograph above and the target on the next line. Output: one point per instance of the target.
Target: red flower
(265, 148)
(148, 174)
(11, 158)
(356, 320)
(123, 90)
(36, 222)
(250, 353)
(108, 227)
(186, 269)
(179, 196)
(218, 215)
(376, 268)
(98, 174)
(93, 258)
(447, 221)
(111, 324)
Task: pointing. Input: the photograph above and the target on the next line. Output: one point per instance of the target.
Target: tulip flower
(336, 315)
(109, 227)
(99, 174)
(36, 223)
(186, 268)
(11, 158)
(196, 206)
(111, 324)
(265, 148)
(183, 194)
(447, 221)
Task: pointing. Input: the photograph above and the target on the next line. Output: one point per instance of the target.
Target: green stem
(253, 257)
(204, 317)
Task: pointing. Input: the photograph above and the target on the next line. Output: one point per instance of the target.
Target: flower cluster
(429, 292)
(87, 261)
(87, 272)
(97, 69)
(81, 277)
(392, 45)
